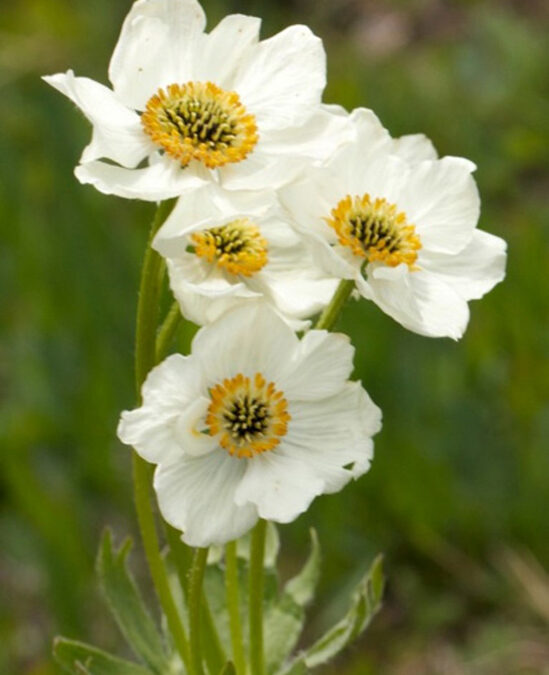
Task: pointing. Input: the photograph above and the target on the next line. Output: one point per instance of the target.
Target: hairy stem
(182, 557)
(167, 331)
(195, 605)
(145, 359)
(332, 311)
(257, 555)
(233, 606)
(150, 287)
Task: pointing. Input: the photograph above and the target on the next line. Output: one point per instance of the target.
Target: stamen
(237, 246)
(199, 120)
(375, 230)
(250, 415)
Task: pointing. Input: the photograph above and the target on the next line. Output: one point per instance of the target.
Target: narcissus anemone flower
(224, 248)
(402, 224)
(253, 424)
(194, 106)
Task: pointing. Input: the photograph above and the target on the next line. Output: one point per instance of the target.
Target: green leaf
(365, 603)
(302, 587)
(283, 623)
(285, 615)
(214, 588)
(127, 605)
(228, 669)
(82, 659)
(297, 668)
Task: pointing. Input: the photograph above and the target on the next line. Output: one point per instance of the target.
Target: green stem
(257, 555)
(182, 557)
(233, 606)
(214, 655)
(195, 605)
(145, 359)
(332, 311)
(167, 331)
(147, 527)
(148, 302)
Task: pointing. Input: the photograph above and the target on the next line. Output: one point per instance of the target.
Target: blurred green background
(458, 495)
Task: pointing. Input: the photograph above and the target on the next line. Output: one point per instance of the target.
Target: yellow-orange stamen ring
(199, 120)
(250, 415)
(238, 247)
(374, 229)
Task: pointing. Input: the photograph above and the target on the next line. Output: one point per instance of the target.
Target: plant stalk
(255, 608)
(332, 311)
(196, 578)
(233, 606)
(145, 359)
(167, 331)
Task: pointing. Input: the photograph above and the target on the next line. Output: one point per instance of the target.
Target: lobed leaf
(285, 616)
(297, 668)
(83, 659)
(365, 603)
(303, 586)
(127, 606)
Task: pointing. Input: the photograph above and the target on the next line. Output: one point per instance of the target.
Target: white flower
(197, 107)
(402, 224)
(224, 248)
(253, 424)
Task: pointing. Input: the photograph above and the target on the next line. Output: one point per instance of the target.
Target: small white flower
(198, 106)
(224, 248)
(253, 424)
(401, 223)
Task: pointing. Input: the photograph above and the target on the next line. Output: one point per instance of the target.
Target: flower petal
(283, 77)
(473, 271)
(248, 339)
(441, 199)
(117, 131)
(162, 180)
(168, 390)
(321, 366)
(154, 441)
(301, 297)
(190, 428)
(203, 301)
(157, 46)
(333, 435)
(420, 302)
(196, 495)
(279, 487)
(178, 378)
(328, 444)
(352, 162)
(414, 148)
(317, 139)
(225, 47)
(260, 171)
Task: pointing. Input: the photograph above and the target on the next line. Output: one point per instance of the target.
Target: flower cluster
(284, 203)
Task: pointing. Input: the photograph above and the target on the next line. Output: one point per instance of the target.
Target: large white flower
(195, 106)
(402, 224)
(253, 424)
(224, 248)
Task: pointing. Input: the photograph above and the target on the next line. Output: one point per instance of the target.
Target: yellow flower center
(237, 246)
(250, 414)
(375, 230)
(198, 120)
